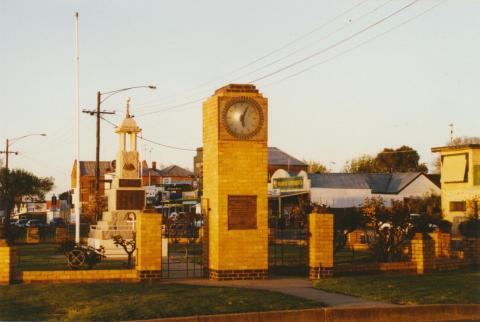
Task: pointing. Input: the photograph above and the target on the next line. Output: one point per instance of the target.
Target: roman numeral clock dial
(243, 118)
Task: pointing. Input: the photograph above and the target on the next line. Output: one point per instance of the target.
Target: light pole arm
(111, 93)
(10, 142)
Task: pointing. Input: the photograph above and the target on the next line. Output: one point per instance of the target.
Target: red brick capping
(150, 275)
(320, 272)
(238, 274)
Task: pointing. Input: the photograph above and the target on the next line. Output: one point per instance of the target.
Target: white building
(344, 190)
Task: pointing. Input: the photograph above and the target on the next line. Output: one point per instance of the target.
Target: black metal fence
(183, 255)
(288, 252)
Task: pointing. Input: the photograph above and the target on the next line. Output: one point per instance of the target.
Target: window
(458, 206)
(454, 168)
(476, 175)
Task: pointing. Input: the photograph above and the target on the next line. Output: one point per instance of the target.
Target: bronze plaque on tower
(130, 199)
(242, 212)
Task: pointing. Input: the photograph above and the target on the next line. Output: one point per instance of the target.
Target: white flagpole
(77, 99)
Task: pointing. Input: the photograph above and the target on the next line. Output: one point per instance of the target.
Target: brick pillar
(442, 243)
(7, 264)
(149, 246)
(320, 245)
(471, 250)
(33, 236)
(61, 234)
(423, 253)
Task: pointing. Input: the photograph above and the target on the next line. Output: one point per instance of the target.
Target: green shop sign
(288, 183)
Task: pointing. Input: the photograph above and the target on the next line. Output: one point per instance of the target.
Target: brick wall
(320, 245)
(7, 264)
(376, 268)
(442, 243)
(423, 253)
(149, 245)
(80, 276)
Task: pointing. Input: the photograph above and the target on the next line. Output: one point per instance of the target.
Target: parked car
(57, 222)
(35, 223)
(22, 223)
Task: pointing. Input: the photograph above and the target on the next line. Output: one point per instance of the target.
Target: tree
(128, 245)
(345, 221)
(457, 141)
(403, 159)
(392, 227)
(315, 166)
(17, 184)
(362, 164)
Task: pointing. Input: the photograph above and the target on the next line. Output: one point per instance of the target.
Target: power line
(355, 47)
(165, 145)
(167, 108)
(297, 62)
(272, 52)
(44, 165)
(348, 24)
(335, 44)
(154, 142)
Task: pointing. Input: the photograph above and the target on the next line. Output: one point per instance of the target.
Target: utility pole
(98, 114)
(7, 152)
(6, 201)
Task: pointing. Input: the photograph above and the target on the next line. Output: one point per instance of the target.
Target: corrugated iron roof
(87, 168)
(278, 157)
(377, 182)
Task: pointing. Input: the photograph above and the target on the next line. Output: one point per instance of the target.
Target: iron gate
(182, 256)
(288, 252)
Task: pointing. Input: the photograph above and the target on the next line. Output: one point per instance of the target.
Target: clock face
(243, 118)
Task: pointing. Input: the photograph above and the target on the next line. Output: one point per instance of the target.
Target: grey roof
(384, 183)
(87, 168)
(278, 157)
(175, 171)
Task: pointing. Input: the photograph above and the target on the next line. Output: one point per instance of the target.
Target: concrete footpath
(293, 286)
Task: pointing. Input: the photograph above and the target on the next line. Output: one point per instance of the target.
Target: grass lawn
(107, 302)
(47, 257)
(438, 288)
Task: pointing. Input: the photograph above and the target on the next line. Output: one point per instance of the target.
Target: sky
(343, 78)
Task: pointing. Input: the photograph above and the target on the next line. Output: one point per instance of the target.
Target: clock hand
(242, 117)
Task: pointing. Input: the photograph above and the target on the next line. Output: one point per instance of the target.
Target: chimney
(154, 165)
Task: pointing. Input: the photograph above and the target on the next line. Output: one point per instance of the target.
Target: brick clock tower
(235, 200)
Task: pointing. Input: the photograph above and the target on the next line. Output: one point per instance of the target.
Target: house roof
(278, 157)
(455, 147)
(383, 183)
(87, 168)
(150, 172)
(175, 171)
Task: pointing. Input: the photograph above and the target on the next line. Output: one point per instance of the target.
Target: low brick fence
(80, 276)
(375, 268)
(418, 313)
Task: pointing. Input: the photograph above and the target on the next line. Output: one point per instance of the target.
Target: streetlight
(98, 113)
(8, 144)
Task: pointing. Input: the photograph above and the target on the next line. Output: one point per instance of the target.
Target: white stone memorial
(126, 196)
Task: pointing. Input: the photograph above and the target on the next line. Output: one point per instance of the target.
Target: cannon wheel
(76, 258)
